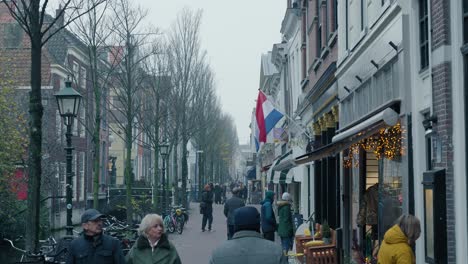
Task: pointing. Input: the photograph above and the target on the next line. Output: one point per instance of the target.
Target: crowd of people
(250, 235)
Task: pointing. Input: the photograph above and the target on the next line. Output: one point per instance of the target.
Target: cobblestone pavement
(195, 246)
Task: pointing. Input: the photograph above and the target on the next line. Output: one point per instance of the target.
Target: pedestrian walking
(247, 245)
(217, 194)
(92, 246)
(152, 245)
(232, 204)
(268, 216)
(398, 240)
(206, 207)
(223, 193)
(285, 226)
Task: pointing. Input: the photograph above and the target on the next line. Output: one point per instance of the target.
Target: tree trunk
(156, 162)
(184, 172)
(128, 172)
(176, 173)
(35, 146)
(97, 127)
(128, 132)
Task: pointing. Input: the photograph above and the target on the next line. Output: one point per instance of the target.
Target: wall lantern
(435, 216)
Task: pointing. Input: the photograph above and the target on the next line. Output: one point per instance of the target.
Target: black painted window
(465, 21)
(423, 34)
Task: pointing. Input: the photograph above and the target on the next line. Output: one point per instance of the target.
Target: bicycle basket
(178, 212)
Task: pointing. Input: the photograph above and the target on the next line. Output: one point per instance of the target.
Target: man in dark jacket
(247, 245)
(268, 216)
(94, 247)
(207, 207)
(232, 204)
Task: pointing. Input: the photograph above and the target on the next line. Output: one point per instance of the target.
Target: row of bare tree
(159, 85)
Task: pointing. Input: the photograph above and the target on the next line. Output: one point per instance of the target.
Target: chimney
(60, 20)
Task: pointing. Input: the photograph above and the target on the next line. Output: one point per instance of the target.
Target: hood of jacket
(395, 236)
(282, 203)
(143, 242)
(268, 197)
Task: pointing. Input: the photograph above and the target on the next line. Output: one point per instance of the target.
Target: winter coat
(142, 253)
(285, 226)
(232, 204)
(95, 250)
(267, 215)
(207, 200)
(248, 247)
(395, 248)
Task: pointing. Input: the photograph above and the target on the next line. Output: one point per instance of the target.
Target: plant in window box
(326, 233)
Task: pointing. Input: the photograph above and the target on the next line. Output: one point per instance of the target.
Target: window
(12, 35)
(362, 15)
(423, 34)
(82, 121)
(83, 77)
(319, 30)
(465, 21)
(76, 72)
(58, 123)
(335, 15)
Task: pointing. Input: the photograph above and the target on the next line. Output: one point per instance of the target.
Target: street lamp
(68, 101)
(164, 150)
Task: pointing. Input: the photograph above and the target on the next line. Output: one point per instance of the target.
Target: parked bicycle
(49, 253)
(176, 219)
(123, 232)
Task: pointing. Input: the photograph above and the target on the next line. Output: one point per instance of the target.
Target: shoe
(203, 230)
(209, 229)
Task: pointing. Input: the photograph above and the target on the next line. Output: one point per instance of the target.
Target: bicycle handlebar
(40, 254)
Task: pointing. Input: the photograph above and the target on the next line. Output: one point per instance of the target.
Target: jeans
(286, 243)
(206, 217)
(269, 235)
(230, 233)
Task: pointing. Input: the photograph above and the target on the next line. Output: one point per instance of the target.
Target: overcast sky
(235, 34)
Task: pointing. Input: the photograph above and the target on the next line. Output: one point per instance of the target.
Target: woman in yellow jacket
(397, 242)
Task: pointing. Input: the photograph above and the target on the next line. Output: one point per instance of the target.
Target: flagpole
(288, 117)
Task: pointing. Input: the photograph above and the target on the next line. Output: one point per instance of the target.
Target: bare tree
(129, 78)
(154, 112)
(93, 30)
(185, 54)
(32, 18)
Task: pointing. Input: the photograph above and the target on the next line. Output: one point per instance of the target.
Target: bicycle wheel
(171, 227)
(180, 226)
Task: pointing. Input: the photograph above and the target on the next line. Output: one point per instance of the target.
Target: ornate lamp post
(68, 101)
(164, 150)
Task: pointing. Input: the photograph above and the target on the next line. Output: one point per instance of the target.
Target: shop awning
(346, 138)
(274, 175)
(251, 173)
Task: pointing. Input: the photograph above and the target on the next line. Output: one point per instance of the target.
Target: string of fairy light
(387, 143)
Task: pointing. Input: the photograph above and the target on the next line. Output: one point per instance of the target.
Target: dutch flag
(266, 116)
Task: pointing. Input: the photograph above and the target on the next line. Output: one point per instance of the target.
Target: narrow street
(195, 246)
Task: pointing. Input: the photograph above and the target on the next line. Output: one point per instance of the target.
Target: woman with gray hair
(397, 242)
(152, 245)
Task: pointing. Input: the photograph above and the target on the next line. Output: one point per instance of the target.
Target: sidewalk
(195, 246)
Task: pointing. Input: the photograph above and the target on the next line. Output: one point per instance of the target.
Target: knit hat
(246, 218)
(286, 196)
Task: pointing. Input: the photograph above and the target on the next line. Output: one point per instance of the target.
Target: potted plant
(326, 233)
